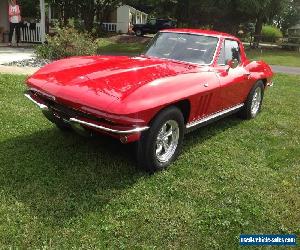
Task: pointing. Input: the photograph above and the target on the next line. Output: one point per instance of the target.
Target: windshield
(183, 47)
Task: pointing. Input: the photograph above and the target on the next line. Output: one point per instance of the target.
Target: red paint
(130, 91)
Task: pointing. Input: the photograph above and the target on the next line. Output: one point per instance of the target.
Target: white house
(121, 19)
(28, 34)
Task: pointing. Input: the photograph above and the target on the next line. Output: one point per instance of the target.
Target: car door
(206, 82)
(234, 82)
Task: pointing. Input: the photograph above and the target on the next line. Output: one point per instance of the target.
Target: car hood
(114, 76)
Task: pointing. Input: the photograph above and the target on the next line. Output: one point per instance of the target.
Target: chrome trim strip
(206, 119)
(40, 105)
(74, 120)
(132, 131)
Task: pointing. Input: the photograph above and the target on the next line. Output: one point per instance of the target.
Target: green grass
(276, 57)
(106, 45)
(61, 191)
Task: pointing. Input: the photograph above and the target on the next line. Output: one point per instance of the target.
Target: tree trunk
(258, 29)
(88, 14)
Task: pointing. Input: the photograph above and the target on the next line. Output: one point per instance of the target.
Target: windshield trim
(199, 64)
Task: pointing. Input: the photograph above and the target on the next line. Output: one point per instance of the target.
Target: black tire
(147, 146)
(247, 112)
(139, 32)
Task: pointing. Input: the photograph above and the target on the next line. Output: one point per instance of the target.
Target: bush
(270, 33)
(67, 42)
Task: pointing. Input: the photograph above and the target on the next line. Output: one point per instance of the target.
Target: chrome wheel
(167, 141)
(256, 101)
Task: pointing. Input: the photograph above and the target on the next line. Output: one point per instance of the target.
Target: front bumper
(76, 120)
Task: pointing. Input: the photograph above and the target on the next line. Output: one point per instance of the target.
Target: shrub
(270, 33)
(67, 42)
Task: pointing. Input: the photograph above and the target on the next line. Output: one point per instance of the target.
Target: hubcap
(256, 101)
(167, 141)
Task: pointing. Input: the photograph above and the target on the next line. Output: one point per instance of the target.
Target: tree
(290, 15)
(262, 11)
(30, 8)
(222, 15)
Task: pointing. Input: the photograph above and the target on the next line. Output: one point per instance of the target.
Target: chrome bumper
(40, 105)
(114, 131)
(74, 120)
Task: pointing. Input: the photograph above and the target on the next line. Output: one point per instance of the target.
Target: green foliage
(289, 16)
(67, 42)
(30, 9)
(128, 47)
(271, 33)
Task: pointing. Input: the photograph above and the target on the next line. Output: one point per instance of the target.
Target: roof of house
(132, 8)
(202, 32)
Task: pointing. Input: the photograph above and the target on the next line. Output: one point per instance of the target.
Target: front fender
(260, 70)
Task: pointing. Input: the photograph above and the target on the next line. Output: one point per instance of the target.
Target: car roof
(201, 32)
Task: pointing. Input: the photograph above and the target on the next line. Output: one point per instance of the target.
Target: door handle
(206, 85)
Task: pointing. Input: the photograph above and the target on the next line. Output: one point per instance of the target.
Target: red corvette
(186, 79)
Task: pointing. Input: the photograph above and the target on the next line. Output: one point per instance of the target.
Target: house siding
(123, 19)
(127, 15)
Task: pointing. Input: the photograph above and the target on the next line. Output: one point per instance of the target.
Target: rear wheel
(254, 101)
(161, 144)
(139, 32)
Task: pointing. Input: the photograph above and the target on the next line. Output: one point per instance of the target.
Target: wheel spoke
(162, 132)
(165, 146)
(159, 149)
(164, 129)
(169, 133)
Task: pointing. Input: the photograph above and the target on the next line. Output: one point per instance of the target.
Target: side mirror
(233, 63)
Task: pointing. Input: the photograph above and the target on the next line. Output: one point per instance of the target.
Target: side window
(221, 60)
(232, 51)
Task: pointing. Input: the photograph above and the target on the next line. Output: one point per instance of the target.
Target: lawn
(110, 46)
(276, 57)
(61, 191)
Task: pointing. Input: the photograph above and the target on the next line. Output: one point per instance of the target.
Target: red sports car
(185, 79)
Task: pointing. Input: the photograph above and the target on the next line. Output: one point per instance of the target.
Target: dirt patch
(130, 39)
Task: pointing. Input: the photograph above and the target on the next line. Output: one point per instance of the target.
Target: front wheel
(161, 144)
(254, 101)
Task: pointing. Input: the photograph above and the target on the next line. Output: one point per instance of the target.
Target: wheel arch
(265, 81)
(184, 107)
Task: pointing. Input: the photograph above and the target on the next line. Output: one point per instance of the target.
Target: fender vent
(203, 105)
